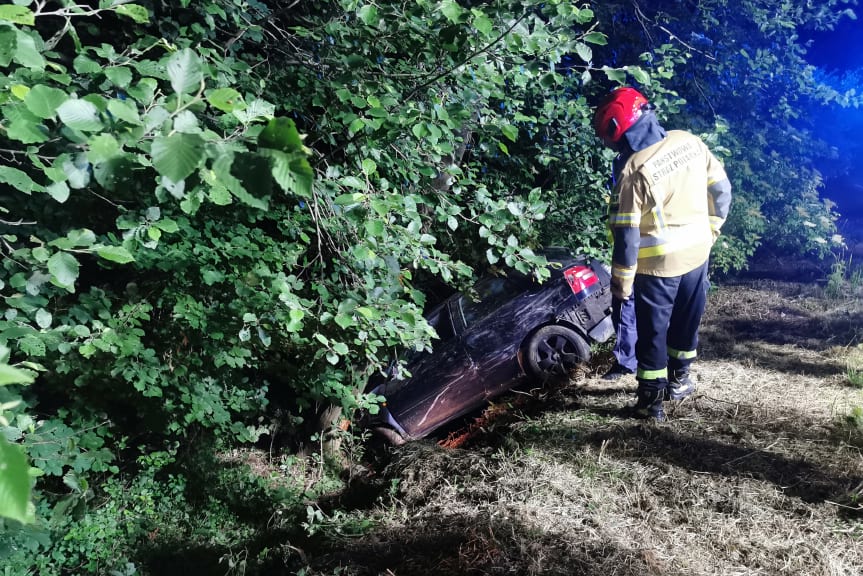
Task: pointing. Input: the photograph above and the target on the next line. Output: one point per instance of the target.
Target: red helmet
(617, 112)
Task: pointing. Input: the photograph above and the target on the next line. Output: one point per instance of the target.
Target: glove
(618, 291)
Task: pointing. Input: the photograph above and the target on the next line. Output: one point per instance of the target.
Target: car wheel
(553, 352)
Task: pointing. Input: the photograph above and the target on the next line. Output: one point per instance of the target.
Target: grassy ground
(760, 472)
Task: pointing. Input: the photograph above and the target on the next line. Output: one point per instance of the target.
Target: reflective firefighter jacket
(674, 197)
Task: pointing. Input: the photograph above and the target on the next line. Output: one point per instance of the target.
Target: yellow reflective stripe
(652, 374)
(651, 251)
(716, 222)
(624, 219)
(681, 354)
(676, 238)
(623, 272)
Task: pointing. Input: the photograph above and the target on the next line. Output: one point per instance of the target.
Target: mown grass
(759, 473)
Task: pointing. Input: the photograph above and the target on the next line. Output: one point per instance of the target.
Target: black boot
(680, 385)
(649, 404)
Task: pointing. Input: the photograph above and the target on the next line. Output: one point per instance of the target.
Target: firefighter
(674, 196)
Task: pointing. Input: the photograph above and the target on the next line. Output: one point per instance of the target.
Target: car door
(443, 384)
(493, 331)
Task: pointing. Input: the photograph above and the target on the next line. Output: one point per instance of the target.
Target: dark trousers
(668, 312)
(623, 319)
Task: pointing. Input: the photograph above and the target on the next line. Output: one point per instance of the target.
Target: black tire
(553, 352)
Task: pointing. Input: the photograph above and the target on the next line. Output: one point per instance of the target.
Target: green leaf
(80, 237)
(292, 174)
(137, 13)
(256, 110)
(120, 76)
(17, 15)
(353, 182)
(452, 10)
(639, 75)
(219, 195)
(375, 228)
(8, 43)
(295, 324)
(124, 110)
(80, 115)
(12, 375)
(281, 134)
(615, 74)
(14, 484)
(26, 131)
(597, 38)
(584, 52)
(185, 71)
(85, 65)
(114, 254)
(178, 155)
(348, 199)
(357, 125)
(167, 225)
(369, 166)
(26, 53)
(369, 15)
(482, 23)
(18, 179)
(510, 132)
(341, 348)
(59, 191)
(584, 15)
(187, 122)
(64, 269)
(225, 99)
(143, 91)
(43, 318)
(368, 313)
(43, 101)
(102, 147)
(210, 277)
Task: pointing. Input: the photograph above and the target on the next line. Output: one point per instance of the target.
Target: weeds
(854, 376)
(844, 279)
(854, 419)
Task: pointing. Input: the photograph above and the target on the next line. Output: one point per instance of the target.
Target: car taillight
(582, 280)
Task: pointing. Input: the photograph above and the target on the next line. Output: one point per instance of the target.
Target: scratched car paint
(517, 327)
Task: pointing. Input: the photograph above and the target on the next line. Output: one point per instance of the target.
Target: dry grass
(754, 475)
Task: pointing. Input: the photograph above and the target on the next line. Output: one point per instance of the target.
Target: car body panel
(477, 356)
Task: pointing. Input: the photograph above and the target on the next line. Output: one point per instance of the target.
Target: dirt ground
(759, 473)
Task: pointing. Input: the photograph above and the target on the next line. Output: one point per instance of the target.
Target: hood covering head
(645, 132)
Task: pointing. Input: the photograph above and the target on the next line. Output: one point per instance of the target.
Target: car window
(441, 322)
(492, 293)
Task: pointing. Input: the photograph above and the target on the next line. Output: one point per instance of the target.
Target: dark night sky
(837, 51)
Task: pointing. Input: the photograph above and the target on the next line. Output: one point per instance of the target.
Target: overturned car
(515, 328)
